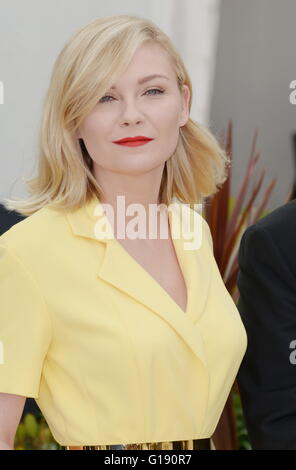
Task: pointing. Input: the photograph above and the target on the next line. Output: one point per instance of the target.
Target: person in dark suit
(7, 220)
(267, 305)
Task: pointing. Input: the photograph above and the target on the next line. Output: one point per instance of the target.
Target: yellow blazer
(106, 352)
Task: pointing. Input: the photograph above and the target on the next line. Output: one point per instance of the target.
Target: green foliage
(242, 433)
(33, 433)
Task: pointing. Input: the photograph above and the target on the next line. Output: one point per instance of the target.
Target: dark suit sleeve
(267, 375)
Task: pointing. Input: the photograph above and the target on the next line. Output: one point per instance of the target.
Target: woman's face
(132, 110)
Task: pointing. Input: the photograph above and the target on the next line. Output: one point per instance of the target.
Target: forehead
(149, 61)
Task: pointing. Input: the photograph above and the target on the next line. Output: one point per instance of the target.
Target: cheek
(94, 126)
(168, 115)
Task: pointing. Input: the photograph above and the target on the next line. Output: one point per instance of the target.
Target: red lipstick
(133, 141)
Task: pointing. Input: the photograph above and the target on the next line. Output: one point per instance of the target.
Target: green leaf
(31, 425)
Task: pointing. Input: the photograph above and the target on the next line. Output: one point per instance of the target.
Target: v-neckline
(182, 267)
(118, 268)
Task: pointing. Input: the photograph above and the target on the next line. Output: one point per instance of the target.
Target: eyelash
(110, 96)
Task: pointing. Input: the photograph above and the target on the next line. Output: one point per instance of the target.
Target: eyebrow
(145, 79)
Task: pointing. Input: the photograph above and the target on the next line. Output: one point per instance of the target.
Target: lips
(134, 143)
(138, 138)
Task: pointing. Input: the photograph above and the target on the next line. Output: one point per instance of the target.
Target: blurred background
(241, 59)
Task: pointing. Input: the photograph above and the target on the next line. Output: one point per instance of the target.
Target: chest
(159, 259)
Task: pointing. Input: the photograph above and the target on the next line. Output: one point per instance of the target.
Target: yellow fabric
(106, 352)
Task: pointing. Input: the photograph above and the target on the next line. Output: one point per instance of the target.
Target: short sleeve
(25, 327)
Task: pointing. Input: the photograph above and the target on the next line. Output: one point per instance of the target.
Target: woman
(124, 342)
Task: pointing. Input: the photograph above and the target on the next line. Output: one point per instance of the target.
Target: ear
(185, 106)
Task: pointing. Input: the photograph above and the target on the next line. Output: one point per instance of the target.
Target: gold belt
(192, 444)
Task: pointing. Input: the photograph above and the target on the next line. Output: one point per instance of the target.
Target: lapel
(121, 270)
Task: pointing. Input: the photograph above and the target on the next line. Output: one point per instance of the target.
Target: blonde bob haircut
(93, 58)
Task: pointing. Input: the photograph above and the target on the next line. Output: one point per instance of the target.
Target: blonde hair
(92, 58)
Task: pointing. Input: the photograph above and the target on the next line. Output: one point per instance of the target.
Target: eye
(151, 89)
(155, 89)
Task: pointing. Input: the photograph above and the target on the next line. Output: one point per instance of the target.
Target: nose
(131, 114)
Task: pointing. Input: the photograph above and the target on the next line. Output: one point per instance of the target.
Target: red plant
(227, 227)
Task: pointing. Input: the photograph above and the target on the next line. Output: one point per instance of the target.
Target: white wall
(256, 62)
(33, 32)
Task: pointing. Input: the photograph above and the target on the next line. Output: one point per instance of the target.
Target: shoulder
(33, 233)
(274, 231)
(8, 218)
(195, 221)
(278, 221)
